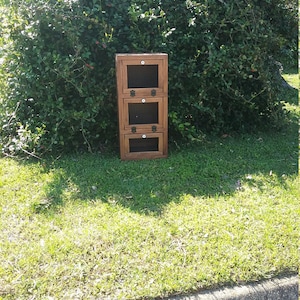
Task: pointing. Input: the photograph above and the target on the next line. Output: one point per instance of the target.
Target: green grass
(84, 226)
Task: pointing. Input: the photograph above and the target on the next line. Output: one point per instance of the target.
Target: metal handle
(144, 136)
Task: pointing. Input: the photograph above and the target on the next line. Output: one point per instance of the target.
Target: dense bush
(58, 65)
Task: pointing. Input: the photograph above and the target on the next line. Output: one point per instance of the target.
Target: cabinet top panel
(141, 55)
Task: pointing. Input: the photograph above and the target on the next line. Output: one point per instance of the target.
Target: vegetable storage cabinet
(142, 82)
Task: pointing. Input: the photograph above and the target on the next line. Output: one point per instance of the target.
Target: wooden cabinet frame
(142, 83)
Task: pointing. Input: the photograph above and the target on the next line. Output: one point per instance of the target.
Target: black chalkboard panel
(144, 76)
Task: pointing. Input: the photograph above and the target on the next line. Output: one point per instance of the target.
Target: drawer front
(144, 114)
(147, 145)
(142, 74)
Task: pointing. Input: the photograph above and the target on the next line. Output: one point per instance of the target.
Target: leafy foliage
(58, 62)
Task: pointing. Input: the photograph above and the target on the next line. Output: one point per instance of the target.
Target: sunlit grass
(292, 79)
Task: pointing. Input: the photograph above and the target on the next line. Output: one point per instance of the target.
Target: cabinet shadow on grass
(220, 167)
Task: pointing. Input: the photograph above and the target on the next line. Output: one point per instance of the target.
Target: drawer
(144, 114)
(140, 146)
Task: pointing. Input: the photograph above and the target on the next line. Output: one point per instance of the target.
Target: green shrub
(58, 63)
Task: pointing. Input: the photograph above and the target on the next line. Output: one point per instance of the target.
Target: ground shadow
(218, 167)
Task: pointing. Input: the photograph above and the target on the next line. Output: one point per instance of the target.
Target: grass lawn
(90, 226)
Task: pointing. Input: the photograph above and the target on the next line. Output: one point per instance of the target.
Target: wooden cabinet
(142, 82)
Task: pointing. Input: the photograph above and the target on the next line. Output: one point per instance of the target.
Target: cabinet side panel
(165, 106)
(120, 106)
